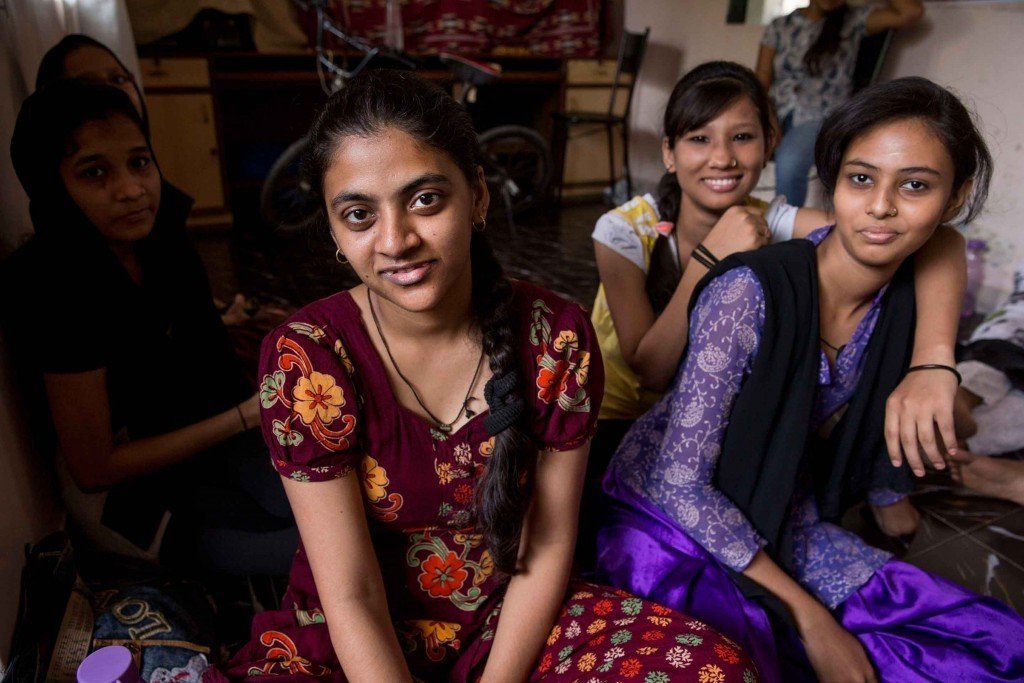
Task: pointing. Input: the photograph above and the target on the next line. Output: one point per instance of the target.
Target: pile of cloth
(992, 365)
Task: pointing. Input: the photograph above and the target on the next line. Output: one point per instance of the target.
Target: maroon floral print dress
(328, 410)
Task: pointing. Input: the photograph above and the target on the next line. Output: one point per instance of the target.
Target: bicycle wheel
(287, 202)
(517, 165)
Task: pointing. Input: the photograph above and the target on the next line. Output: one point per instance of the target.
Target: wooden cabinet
(184, 128)
(588, 88)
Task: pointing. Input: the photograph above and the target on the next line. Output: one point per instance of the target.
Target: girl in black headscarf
(149, 403)
(79, 56)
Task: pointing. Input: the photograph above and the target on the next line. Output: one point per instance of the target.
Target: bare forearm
(532, 603)
(896, 15)
(332, 523)
(364, 639)
(801, 605)
(145, 456)
(909, 9)
(940, 278)
(660, 351)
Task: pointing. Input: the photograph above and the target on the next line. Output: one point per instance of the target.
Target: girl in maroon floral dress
(433, 549)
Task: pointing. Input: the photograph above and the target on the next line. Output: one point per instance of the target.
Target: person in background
(806, 62)
(85, 58)
(111, 312)
(725, 496)
(717, 139)
(431, 426)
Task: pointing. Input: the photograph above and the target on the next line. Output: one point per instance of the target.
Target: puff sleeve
(566, 382)
(309, 404)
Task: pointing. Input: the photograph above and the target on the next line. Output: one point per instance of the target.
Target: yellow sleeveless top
(624, 398)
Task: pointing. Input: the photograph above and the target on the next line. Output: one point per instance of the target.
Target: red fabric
(542, 28)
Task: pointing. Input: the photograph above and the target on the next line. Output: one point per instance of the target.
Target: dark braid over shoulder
(504, 492)
(664, 274)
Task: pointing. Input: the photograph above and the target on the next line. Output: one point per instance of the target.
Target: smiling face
(895, 187)
(402, 212)
(96, 65)
(718, 164)
(109, 172)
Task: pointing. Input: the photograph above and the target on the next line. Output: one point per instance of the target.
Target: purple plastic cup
(111, 664)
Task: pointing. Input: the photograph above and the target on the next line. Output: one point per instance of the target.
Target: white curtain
(28, 28)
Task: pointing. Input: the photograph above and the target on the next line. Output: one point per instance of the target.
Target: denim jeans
(794, 158)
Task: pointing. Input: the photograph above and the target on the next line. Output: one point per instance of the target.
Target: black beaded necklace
(443, 427)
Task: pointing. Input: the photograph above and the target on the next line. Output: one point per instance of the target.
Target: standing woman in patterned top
(726, 496)
(806, 63)
(432, 426)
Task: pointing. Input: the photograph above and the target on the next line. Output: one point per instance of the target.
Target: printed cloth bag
(167, 622)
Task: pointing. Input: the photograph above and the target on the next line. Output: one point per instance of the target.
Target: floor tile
(932, 533)
(1004, 536)
(970, 564)
(962, 509)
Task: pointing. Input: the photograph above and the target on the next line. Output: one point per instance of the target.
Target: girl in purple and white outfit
(724, 493)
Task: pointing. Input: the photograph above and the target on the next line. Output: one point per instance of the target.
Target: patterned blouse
(328, 410)
(794, 90)
(670, 455)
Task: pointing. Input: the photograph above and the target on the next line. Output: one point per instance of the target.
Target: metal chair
(631, 56)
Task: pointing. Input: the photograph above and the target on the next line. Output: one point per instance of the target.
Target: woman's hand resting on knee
(835, 653)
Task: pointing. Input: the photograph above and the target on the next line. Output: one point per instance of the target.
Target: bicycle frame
(325, 24)
(286, 201)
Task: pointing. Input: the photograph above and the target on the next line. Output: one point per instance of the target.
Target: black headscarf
(53, 66)
(68, 263)
(46, 123)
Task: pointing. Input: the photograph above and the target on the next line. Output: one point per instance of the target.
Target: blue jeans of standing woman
(794, 158)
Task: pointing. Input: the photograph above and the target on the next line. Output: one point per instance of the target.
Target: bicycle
(516, 159)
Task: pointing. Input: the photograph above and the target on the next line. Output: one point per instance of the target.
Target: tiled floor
(975, 541)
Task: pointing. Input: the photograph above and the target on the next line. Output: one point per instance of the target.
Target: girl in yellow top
(717, 140)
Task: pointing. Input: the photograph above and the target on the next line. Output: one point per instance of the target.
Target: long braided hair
(382, 99)
(699, 96)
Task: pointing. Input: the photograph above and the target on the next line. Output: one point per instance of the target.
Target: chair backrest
(631, 55)
(870, 58)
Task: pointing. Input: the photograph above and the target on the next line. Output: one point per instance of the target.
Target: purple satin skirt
(913, 625)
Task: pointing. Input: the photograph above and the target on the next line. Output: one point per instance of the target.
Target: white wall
(30, 502)
(969, 47)
(30, 510)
